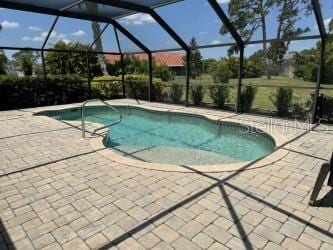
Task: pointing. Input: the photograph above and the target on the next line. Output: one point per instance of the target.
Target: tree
(61, 63)
(254, 65)
(306, 63)
(195, 59)
(249, 17)
(92, 7)
(208, 65)
(3, 61)
(222, 73)
(330, 25)
(25, 60)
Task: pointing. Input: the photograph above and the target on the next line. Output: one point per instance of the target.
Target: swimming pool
(174, 138)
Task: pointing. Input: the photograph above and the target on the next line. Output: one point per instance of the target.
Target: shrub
(176, 92)
(197, 94)
(222, 74)
(162, 72)
(138, 86)
(299, 108)
(219, 94)
(27, 92)
(282, 99)
(247, 97)
(327, 108)
(107, 86)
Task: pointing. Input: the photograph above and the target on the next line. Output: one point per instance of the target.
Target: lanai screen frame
(138, 8)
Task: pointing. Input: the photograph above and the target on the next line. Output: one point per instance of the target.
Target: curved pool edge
(97, 144)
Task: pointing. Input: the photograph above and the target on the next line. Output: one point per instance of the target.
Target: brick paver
(56, 192)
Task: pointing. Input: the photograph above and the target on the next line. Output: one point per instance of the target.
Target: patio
(57, 192)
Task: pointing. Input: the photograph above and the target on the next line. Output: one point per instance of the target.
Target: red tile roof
(169, 59)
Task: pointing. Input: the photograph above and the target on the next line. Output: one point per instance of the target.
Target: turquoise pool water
(175, 138)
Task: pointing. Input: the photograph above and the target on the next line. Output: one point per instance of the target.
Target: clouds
(54, 36)
(137, 19)
(34, 28)
(78, 33)
(223, 1)
(43, 35)
(215, 42)
(9, 25)
(327, 22)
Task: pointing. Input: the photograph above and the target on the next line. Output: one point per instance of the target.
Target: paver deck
(57, 192)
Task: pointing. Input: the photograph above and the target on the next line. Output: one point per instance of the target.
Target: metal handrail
(105, 103)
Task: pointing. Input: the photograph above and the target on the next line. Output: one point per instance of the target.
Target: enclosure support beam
(44, 44)
(168, 29)
(150, 70)
(314, 113)
(98, 37)
(240, 77)
(87, 58)
(121, 61)
(225, 20)
(50, 32)
(123, 74)
(323, 35)
(140, 8)
(188, 73)
(88, 75)
(130, 36)
(119, 27)
(231, 28)
(319, 18)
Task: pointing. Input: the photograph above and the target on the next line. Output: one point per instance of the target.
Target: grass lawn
(266, 87)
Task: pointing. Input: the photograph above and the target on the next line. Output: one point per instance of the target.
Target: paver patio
(56, 192)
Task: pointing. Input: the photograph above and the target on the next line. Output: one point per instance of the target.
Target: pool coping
(97, 144)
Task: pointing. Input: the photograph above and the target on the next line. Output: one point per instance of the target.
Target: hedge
(24, 92)
(136, 85)
(107, 87)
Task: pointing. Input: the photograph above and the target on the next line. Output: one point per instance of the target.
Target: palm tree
(96, 29)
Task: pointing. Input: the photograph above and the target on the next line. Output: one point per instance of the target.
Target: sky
(189, 18)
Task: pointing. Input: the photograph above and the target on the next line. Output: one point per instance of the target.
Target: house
(286, 67)
(175, 61)
(13, 70)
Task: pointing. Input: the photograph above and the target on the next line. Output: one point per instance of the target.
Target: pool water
(173, 138)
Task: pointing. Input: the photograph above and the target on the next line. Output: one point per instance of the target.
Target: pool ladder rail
(83, 125)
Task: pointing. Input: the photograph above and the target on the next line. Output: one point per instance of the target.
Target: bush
(176, 92)
(107, 87)
(252, 70)
(247, 97)
(162, 72)
(138, 86)
(219, 94)
(197, 94)
(222, 74)
(299, 109)
(27, 92)
(327, 108)
(282, 99)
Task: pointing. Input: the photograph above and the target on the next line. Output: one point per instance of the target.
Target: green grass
(269, 86)
(262, 99)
